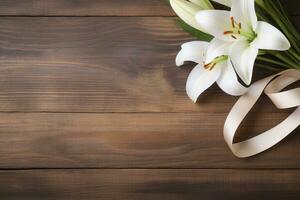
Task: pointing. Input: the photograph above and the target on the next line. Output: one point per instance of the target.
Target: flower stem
(289, 62)
(271, 61)
(273, 69)
(282, 20)
(293, 53)
(277, 14)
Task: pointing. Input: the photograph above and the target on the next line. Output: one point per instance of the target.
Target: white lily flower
(219, 69)
(187, 10)
(247, 35)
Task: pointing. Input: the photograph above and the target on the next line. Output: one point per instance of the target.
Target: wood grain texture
(134, 141)
(83, 98)
(99, 7)
(97, 65)
(150, 184)
(86, 7)
(91, 65)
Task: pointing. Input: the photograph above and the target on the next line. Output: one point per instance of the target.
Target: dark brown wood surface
(169, 140)
(93, 107)
(98, 7)
(86, 7)
(150, 184)
(97, 64)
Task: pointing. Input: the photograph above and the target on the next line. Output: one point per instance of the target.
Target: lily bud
(204, 4)
(261, 3)
(224, 2)
(187, 10)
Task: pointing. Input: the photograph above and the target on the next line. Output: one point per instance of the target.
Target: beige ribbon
(272, 87)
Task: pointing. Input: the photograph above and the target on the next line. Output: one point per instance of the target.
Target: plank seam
(98, 16)
(97, 168)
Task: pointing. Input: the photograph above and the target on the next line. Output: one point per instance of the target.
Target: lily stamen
(236, 29)
(228, 32)
(207, 66)
(232, 22)
(210, 66)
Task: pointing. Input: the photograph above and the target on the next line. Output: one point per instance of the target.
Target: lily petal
(192, 51)
(204, 4)
(244, 11)
(224, 2)
(228, 80)
(215, 22)
(200, 79)
(217, 48)
(186, 11)
(243, 57)
(269, 37)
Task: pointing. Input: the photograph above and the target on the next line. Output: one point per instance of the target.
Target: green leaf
(194, 32)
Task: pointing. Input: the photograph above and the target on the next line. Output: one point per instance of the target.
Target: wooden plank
(134, 141)
(91, 65)
(86, 8)
(97, 65)
(99, 7)
(150, 184)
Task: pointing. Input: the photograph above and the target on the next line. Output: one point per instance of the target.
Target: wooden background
(93, 107)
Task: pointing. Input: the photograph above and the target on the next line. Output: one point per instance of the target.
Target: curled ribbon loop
(272, 87)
